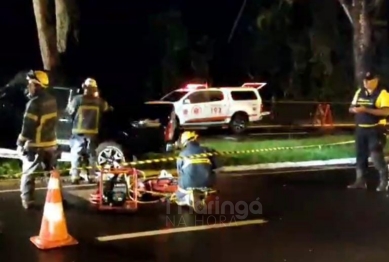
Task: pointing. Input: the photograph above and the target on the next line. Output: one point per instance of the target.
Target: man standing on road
(37, 142)
(86, 111)
(371, 107)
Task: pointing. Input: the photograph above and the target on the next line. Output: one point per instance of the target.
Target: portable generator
(115, 191)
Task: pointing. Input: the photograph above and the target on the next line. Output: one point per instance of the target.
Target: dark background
(122, 45)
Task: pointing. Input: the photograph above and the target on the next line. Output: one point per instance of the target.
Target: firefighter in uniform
(371, 107)
(193, 172)
(86, 110)
(37, 141)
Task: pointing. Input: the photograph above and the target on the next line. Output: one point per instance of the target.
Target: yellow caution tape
(235, 152)
(216, 153)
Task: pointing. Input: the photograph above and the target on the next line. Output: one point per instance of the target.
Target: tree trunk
(46, 34)
(67, 16)
(53, 31)
(361, 39)
(62, 23)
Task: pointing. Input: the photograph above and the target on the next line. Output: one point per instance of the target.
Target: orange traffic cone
(53, 232)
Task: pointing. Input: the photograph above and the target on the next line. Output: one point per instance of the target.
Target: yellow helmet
(90, 82)
(187, 136)
(39, 77)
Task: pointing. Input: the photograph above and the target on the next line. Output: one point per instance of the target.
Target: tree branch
(347, 10)
(237, 20)
(377, 7)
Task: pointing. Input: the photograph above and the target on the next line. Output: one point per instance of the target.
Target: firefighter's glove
(20, 150)
(20, 143)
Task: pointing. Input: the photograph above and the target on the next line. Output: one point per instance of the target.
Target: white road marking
(229, 138)
(179, 230)
(41, 188)
(291, 171)
(278, 134)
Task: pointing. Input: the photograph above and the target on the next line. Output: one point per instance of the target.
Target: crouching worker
(193, 173)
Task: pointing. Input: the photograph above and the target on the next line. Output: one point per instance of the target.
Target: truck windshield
(174, 96)
(156, 111)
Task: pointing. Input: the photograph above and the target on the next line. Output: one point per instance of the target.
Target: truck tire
(238, 123)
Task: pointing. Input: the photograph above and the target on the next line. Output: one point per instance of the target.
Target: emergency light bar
(196, 86)
(254, 85)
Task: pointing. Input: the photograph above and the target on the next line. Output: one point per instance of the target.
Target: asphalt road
(310, 216)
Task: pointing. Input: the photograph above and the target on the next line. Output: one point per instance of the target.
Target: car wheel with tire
(110, 154)
(239, 123)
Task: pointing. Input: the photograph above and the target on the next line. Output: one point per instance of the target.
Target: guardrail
(302, 114)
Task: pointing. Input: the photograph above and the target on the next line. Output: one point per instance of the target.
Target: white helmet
(90, 82)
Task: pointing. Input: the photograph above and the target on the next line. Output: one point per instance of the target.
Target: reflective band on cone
(53, 232)
(53, 184)
(53, 212)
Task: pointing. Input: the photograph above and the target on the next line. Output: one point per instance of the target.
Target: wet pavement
(310, 217)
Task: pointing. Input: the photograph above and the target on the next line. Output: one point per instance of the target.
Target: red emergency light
(254, 85)
(196, 86)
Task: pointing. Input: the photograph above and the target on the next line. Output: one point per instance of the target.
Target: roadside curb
(65, 179)
(291, 165)
(240, 168)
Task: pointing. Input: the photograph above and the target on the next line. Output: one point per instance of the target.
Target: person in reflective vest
(37, 141)
(371, 108)
(193, 172)
(86, 110)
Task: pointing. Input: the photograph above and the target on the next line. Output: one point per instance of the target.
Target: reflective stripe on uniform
(44, 144)
(85, 131)
(44, 119)
(379, 98)
(372, 125)
(355, 98)
(83, 109)
(87, 119)
(31, 116)
(195, 161)
(38, 138)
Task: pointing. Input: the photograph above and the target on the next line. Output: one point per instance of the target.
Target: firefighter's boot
(360, 182)
(383, 186)
(27, 204)
(75, 180)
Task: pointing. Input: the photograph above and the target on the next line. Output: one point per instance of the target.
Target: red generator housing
(131, 201)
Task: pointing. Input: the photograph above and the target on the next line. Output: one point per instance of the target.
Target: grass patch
(11, 168)
(287, 155)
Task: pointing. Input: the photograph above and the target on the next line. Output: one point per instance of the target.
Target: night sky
(118, 45)
(115, 44)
